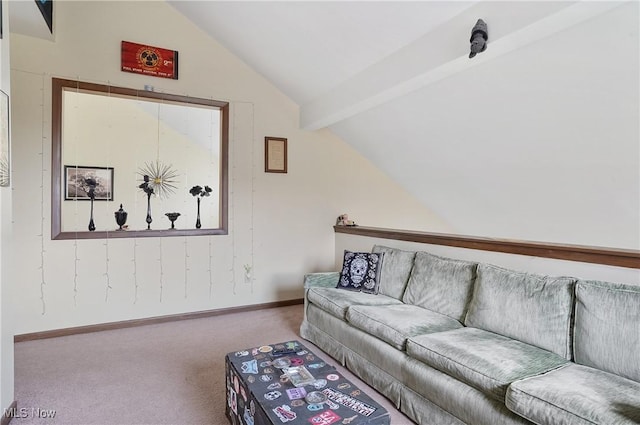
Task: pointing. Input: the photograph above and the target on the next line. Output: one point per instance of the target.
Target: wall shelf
(599, 255)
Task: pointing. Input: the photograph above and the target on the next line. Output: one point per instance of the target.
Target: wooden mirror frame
(58, 86)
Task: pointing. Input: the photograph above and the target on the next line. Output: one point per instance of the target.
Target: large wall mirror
(159, 155)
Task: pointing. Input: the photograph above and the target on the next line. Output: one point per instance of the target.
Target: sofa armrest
(321, 280)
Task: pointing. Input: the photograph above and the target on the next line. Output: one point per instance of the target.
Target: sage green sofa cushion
(532, 308)
(576, 395)
(395, 272)
(337, 301)
(440, 284)
(607, 327)
(395, 323)
(488, 362)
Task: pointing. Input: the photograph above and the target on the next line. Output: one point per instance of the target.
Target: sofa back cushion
(531, 308)
(440, 284)
(395, 270)
(607, 327)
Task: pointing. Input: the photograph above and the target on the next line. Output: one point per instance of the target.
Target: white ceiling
(306, 48)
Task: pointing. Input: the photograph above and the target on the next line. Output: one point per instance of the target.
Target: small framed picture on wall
(275, 155)
(77, 188)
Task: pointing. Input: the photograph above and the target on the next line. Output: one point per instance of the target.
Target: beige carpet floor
(171, 373)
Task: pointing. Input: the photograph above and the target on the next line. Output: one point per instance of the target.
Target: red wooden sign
(149, 60)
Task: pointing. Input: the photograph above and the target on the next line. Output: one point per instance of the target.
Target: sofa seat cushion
(482, 359)
(576, 394)
(395, 323)
(337, 301)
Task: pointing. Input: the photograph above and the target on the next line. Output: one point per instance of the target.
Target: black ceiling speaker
(479, 38)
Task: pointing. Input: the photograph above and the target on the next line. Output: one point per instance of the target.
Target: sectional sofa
(457, 342)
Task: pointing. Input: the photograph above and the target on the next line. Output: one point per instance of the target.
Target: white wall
(538, 265)
(280, 225)
(6, 306)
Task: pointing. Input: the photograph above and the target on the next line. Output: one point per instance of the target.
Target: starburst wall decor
(161, 178)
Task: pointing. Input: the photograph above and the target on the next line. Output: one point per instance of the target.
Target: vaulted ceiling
(309, 48)
(535, 138)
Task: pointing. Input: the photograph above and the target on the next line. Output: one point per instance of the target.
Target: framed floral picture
(77, 189)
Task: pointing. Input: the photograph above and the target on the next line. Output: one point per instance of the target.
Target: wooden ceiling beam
(445, 52)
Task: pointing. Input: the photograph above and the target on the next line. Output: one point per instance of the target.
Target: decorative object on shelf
(76, 188)
(343, 220)
(148, 189)
(173, 216)
(161, 178)
(91, 184)
(199, 192)
(121, 217)
(479, 38)
(275, 155)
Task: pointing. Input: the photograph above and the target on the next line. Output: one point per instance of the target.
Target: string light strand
(210, 270)
(135, 270)
(161, 269)
(106, 274)
(186, 267)
(253, 189)
(135, 237)
(187, 153)
(106, 243)
(43, 282)
(232, 219)
(75, 271)
(76, 215)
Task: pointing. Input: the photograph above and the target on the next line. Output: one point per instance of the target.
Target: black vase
(92, 225)
(198, 224)
(121, 217)
(149, 219)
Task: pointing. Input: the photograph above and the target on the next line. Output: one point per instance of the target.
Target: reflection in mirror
(105, 141)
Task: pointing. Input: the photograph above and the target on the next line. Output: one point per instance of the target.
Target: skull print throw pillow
(361, 271)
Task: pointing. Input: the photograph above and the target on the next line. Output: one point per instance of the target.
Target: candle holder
(173, 216)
